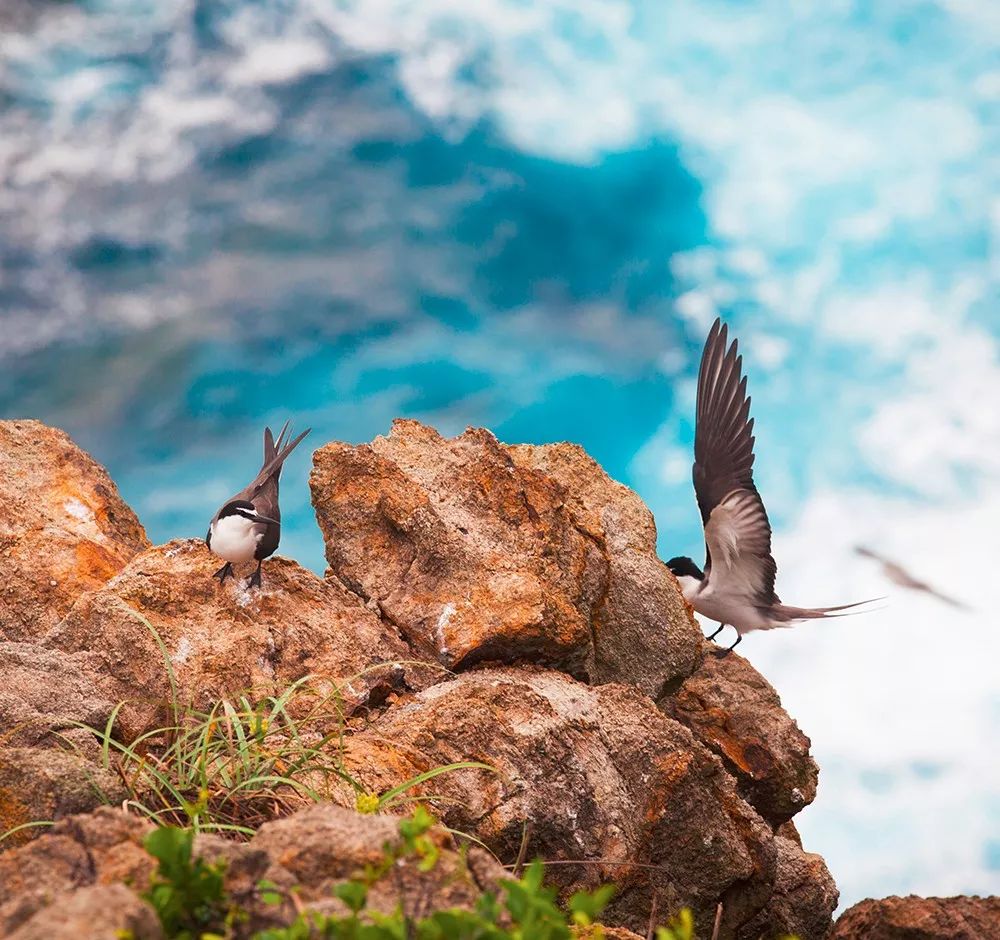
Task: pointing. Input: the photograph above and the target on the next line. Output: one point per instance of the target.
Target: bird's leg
(255, 577)
(722, 626)
(226, 571)
(729, 649)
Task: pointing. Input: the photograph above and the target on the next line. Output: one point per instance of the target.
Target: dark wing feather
(723, 470)
(723, 438)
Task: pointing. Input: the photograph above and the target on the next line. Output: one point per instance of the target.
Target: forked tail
(275, 454)
(784, 613)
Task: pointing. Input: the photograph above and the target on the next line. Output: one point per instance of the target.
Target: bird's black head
(238, 507)
(682, 565)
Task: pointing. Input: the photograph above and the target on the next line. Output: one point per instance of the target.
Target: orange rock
(913, 918)
(601, 777)
(478, 551)
(733, 710)
(63, 527)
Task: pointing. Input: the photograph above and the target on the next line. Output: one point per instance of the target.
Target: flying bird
(247, 526)
(899, 575)
(736, 587)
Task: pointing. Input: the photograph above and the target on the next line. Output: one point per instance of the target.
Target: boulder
(913, 918)
(612, 789)
(642, 629)
(63, 527)
(477, 551)
(733, 710)
(222, 640)
(102, 912)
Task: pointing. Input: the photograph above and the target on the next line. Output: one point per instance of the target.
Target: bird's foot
(722, 654)
(712, 636)
(226, 571)
(255, 580)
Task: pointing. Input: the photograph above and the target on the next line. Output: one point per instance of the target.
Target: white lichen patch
(85, 520)
(242, 593)
(78, 510)
(447, 612)
(182, 653)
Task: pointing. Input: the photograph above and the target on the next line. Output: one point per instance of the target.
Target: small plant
(187, 893)
(680, 928)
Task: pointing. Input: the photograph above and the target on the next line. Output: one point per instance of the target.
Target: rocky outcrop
(913, 918)
(477, 551)
(63, 527)
(620, 751)
(61, 879)
(220, 640)
(733, 710)
(319, 847)
(101, 912)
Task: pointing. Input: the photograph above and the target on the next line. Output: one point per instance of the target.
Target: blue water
(525, 216)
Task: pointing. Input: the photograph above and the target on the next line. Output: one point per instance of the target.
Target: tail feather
(784, 613)
(272, 467)
(272, 446)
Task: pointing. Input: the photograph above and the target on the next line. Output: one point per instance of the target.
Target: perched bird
(248, 525)
(899, 575)
(737, 586)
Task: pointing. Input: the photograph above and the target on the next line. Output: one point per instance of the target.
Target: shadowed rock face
(477, 551)
(63, 527)
(803, 900)
(913, 918)
(223, 639)
(732, 709)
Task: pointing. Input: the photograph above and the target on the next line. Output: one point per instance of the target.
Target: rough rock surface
(224, 639)
(642, 623)
(601, 775)
(913, 918)
(102, 912)
(733, 710)
(323, 845)
(44, 691)
(99, 848)
(60, 878)
(63, 527)
(45, 784)
(477, 552)
(804, 898)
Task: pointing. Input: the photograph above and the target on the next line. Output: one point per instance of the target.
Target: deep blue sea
(525, 215)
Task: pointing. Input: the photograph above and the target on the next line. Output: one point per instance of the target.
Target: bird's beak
(267, 519)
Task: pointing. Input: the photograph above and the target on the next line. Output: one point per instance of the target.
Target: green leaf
(353, 893)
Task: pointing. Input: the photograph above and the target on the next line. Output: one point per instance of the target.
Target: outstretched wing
(737, 531)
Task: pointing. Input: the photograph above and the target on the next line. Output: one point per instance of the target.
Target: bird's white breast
(689, 586)
(235, 538)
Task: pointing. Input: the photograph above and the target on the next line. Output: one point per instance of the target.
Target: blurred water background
(220, 213)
